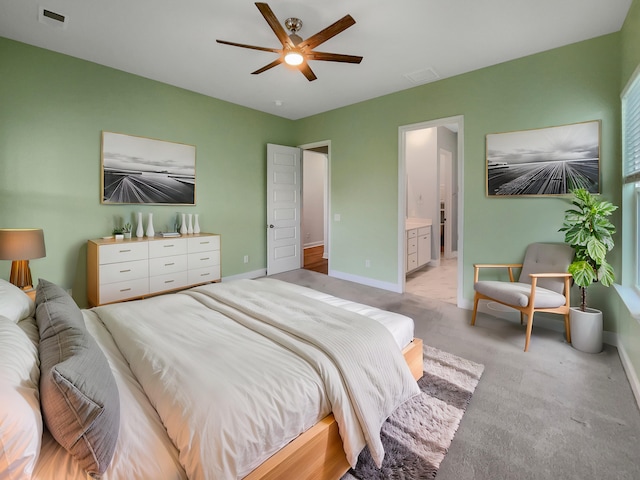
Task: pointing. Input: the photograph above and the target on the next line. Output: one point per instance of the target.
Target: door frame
(458, 120)
(327, 198)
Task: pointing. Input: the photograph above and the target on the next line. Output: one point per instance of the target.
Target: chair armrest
(550, 275)
(509, 266)
(567, 286)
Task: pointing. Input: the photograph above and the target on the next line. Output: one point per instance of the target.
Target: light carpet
(417, 435)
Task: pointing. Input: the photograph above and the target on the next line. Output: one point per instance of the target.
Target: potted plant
(126, 230)
(117, 233)
(589, 231)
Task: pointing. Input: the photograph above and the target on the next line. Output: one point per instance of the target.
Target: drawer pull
(125, 271)
(203, 259)
(168, 264)
(124, 251)
(205, 274)
(168, 281)
(205, 243)
(125, 289)
(169, 246)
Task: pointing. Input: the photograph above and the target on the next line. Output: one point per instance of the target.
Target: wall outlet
(246, 259)
(367, 263)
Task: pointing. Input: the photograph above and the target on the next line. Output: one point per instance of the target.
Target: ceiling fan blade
(327, 33)
(333, 57)
(273, 22)
(307, 72)
(275, 63)
(253, 47)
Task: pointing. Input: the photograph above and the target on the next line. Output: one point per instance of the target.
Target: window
(631, 154)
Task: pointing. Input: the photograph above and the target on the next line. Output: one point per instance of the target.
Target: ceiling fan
(295, 51)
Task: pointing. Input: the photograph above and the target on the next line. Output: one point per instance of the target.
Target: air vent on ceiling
(51, 18)
(422, 76)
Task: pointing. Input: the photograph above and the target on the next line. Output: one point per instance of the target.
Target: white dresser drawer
(115, 292)
(203, 244)
(424, 231)
(168, 247)
(123, 252)
(170, 281)
(203, 275)
(203, 259)
(412, 233)
(412, 245)
(123, 271)
(164, 265)
(412, 261)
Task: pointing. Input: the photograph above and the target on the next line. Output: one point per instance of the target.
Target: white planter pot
(586, 330)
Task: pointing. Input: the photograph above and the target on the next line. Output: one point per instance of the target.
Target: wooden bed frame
(317, 454)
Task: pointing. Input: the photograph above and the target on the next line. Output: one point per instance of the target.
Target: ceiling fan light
(293, 58)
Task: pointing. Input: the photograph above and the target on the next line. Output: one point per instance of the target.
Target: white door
(283, 208)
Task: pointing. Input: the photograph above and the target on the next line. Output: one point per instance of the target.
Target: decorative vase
(150, 231)
(190, 225)
(140, 229)
(586, 329)
(196, 224)
(183, 225)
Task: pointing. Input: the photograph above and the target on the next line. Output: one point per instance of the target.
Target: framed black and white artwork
(145, 170)
(544, 161)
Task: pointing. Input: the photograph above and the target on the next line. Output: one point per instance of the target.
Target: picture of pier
(545, 161)
(145, 170)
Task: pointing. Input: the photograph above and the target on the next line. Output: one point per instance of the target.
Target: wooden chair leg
(475, 309)
(529, 328)
(567, 327)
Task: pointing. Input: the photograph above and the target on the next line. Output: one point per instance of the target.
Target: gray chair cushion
(546, 258)
(78, 393)
(517, 293)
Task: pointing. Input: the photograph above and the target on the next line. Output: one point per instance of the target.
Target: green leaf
(583, 273)
(606, 275)
(596, 250)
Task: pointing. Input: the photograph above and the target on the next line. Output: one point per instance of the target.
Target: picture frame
(141, 170)
(544, 161)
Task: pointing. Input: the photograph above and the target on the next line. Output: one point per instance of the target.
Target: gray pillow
(78, 393)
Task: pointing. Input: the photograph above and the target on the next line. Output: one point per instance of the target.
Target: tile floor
(438, 283)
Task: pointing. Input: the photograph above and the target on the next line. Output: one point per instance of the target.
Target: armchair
(543, 285)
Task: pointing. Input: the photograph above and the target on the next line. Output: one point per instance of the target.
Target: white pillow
(14, 303)
(20, 417)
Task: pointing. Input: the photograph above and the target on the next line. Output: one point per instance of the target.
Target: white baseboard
(313, 244)
(370, 282)
(249, 275)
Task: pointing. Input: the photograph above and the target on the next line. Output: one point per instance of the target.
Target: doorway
(430, 176)
(315, 206)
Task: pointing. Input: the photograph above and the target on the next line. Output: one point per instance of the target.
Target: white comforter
(221, 390)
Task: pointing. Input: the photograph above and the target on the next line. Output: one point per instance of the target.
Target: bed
(253, 379)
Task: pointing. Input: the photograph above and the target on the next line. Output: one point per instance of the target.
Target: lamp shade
(21, 243)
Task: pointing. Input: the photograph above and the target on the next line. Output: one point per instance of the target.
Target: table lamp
(21, 245)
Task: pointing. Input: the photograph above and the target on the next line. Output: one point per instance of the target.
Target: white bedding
(220, 390)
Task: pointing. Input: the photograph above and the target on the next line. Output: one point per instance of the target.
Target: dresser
(120, 270)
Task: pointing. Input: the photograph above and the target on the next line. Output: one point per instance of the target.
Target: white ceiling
(174, 41)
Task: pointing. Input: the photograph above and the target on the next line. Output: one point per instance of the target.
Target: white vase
(586, 329)
(140, 229)
(190, 225)
(183, 225)
(196, 224)
(150, 231)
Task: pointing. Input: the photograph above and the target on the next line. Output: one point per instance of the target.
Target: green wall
(576, 83)
(53, 109)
